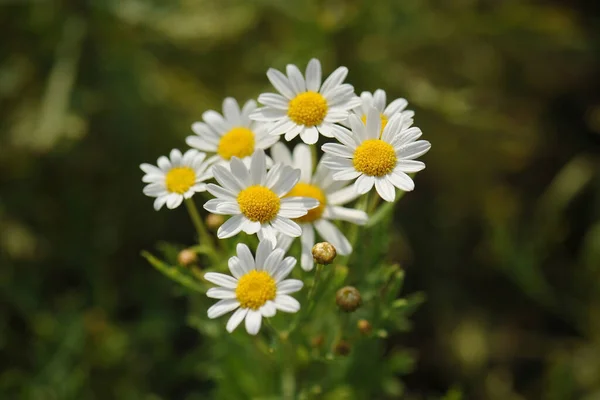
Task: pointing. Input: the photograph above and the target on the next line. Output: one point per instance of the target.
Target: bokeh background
(502, 232)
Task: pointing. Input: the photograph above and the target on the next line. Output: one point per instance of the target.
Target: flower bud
(317, 341)
(214, 221)
(348, 298)
(324, 253)
(187, 257)
(364, 327)
(342, 348)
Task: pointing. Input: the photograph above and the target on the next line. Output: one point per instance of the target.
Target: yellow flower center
(238, 142)
(374, 157)
(308, 108)
(384, 122)
(315, 192)
(180, 180)
(254, 289)
(258, 203)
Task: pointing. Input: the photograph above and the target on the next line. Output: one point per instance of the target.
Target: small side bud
(187, 257)
(317, 341)
(364, 327)
(324, 253)
(348, 298)
(214, 221)
(342, 348)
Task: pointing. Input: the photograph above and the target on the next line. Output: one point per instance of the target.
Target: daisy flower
(232, 134)
(331, 195)
(176, 178)
(255, 198)
(372, 160)
(305, 106)
(257, 289)
(378, 100)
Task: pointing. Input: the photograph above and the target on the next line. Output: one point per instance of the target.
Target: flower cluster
(289, 194)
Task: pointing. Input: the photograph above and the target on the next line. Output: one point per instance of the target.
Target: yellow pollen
(384, 122)
(180, 180)
(238, 142)
(308, 108)
(254, 289)
(374, 157)
(315, 192)
(258, 203)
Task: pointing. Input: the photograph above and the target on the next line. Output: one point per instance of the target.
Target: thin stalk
(203, 235)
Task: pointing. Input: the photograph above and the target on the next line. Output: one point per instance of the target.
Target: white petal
(174, 200)
(236, 267)
(338, 150)
(284, 269)
(289, 286)
(245, 256)
(159, 202)
(263, 251)
(286, 226)
(163, 163)
(288, 179)
(175, 157)
(253, 322)
(336, 78)
(226, 179)
(307, 239)
(293, 132)
(274, 100)
(413, 150)
(313, 75)
(299, 203)
(332, 234)
(358, 127)
(364, 183)
(222, 307)
(281, 154)
(231, 227)
(150, 169)
(220, 293)
(258, 168)
(268, 234)
(231, 111)
(251, 227)
(340, 95)
(379, 100)
(268, 114)
(385, 189)
(273, 260)
(373, 123)
(344, 136)
(228, 208)
(287, 303)
(221, 279)
(239, 170)
(395, 106)
(155, 189)
(235, 319)
(342, 196)
(401, 180)
(309, 135)
(212, 204)
(410, 166)
(358, 217)
(295, 78)
(215, 121)
(303, 161)
(347, 175)
(281, 83)
(220, 192)
(268, 309)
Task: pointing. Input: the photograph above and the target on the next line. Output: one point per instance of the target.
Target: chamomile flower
(378, 100)
(176, 178)
(256, 200)
(371, 160)
(305, 106)
(331, 195)
(232, 134)
(257, 289)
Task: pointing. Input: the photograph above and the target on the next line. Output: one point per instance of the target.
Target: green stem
(203, 235)
(288, 378)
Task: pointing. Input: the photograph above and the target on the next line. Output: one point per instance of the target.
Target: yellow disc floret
(254, 289)
(374, 157)
(180, 180)
(308, 108)
(313, 191)
(258, 203)
(238, 142)
(384, 122)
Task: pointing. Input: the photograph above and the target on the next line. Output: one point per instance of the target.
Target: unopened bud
(348, 298)
(214, 221)
(324, 253)
(364, 326)
(187, 257)
(342, 348)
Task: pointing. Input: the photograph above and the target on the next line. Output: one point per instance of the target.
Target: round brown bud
(214, 221)
(324, 253)
(187, 257)
(364, 326)
(348, 298)
(317, 341)
(342, 348)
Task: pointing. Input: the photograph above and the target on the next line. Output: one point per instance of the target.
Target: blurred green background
(502, 232)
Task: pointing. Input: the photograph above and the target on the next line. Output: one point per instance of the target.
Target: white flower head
(257, 289)
(378, 100)
(331, 195)
(176, 178)
(255, 199)
(305, 106)
(371, 160)
(232, 134)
